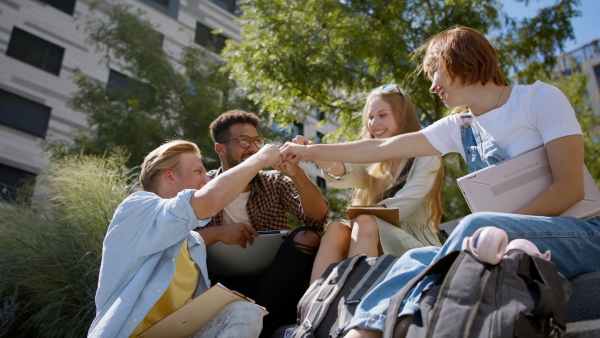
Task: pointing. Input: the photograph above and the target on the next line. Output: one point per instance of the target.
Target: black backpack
(330, 301)
(522, 296)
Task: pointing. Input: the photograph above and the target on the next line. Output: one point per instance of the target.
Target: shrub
(52, 244)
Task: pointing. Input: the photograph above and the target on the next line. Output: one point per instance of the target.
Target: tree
(296, 55)
(164, 96)
(299, 55)
(575, 86)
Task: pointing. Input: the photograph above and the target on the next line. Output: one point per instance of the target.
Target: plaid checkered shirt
(271, 196)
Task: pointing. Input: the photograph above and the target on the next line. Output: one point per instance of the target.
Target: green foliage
(52, 245)
(338, 202)
(454, 204)
(297, 55)
(169, 96)
(337, 205)
(575, 87)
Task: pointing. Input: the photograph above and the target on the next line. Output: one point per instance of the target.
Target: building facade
(585, 59)
(42, 45)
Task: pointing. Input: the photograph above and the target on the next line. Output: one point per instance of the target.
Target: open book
(390, 215)
(190, 318)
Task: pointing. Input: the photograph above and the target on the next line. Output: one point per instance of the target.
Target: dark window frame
(204, 37)
(12, 180)
(35, 51)
(319, 137)
(67, 6)
(23, 114)
(320, 116)
(169, 7)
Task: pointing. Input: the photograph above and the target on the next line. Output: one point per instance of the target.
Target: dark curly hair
(219, 128)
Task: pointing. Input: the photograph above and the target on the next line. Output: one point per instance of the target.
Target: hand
(271, 155)
(289, 168)
(237, 234)
(301, 140)
(294, 152)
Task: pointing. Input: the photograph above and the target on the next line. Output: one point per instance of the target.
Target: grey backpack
(522, 296)
(329, 303)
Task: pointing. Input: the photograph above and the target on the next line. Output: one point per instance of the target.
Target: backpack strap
(372, 278)
(551, 305)
(441, 266)
(321, 302)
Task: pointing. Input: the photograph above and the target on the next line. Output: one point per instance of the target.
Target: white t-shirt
(533, 115)
(235, 212)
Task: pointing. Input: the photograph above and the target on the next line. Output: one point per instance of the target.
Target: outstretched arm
(366, 151)
(219, 192)
(331, 167)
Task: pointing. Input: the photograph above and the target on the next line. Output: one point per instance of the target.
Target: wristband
(331, 166)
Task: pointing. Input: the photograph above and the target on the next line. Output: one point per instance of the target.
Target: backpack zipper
(496, 327)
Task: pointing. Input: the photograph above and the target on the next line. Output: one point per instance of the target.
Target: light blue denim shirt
(139, 256)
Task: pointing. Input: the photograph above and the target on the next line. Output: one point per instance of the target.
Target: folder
(191, 317)
(390, 215)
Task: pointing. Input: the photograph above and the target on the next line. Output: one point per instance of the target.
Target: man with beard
(263, 205)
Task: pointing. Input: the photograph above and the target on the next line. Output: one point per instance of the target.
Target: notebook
(510, 184)
(189, 318)
(233, 260)
(390, 215)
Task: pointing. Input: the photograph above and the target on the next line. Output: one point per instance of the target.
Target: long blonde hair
(380, 179)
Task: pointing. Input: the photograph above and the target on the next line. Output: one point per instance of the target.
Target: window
(169, 7)
(67, 6)
(321, 183)
(287, 130)
(597, 72)
(298, 129)
(35, 51)
(228, 5)
(117, 80)
(23, 114)
(320, 115)
(11, 180)
(319, 138)
(205, 37)
(121, 87)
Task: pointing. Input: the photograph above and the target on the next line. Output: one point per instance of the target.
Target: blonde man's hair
(165, 157)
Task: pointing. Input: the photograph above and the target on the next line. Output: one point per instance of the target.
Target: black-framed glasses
(389, 88)
(246, 141)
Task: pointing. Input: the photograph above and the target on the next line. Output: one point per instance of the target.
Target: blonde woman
(411, 184)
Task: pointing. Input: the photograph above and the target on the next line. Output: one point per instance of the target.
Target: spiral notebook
(510, 184)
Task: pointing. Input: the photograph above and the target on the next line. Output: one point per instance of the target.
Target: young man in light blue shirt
(153, 261)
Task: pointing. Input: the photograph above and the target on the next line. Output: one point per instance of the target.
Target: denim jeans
(574, 243)
(238, 319)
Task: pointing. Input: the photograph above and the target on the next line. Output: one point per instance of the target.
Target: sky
(586, 26)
